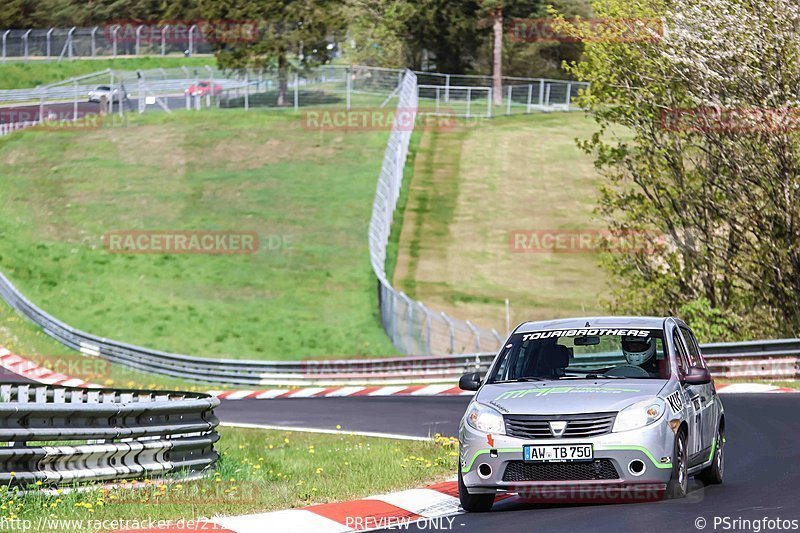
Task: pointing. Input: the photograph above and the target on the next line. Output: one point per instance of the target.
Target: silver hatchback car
(594, 405)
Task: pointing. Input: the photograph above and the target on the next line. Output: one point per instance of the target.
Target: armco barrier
(117, 434)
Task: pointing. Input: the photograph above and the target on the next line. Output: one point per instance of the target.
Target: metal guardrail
(65, 435)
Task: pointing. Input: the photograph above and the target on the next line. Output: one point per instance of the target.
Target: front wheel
(679, 482)
(712, 475)
(473, 503)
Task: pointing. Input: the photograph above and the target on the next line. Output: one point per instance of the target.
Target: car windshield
(203, 84)
(103, 88)
(583, 354)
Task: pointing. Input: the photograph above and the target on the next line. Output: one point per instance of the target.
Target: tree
(698, 140)
(292, 33)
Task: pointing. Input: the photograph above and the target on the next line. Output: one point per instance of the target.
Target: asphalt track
(762, 472)
(65, 110)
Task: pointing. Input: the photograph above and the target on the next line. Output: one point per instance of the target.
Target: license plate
(558, 453)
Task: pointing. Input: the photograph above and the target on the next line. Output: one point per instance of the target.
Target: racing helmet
(638, 350)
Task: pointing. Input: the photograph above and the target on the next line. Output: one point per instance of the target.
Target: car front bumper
(652, 446)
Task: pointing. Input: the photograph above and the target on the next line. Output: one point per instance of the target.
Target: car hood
(566, 397)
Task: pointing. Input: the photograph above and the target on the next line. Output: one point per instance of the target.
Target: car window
(691, 345)
(583, 353)
(680, 354)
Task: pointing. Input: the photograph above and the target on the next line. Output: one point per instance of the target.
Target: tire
(712, 475)
(473, 503)
(678, 484)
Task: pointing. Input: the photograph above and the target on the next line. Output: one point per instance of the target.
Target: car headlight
(639, 415)
(485, 419)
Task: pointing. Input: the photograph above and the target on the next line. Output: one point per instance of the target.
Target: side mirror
(697, 376)
(470, 381)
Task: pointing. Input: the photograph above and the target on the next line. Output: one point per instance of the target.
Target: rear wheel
(712, 475)
(679, 482)
(473, 503)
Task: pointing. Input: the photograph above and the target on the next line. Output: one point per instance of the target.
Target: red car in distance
(203, 88)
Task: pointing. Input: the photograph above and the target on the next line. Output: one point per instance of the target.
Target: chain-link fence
(111, 40)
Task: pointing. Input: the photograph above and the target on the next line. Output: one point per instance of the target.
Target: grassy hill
(474, 188)
(256, 172)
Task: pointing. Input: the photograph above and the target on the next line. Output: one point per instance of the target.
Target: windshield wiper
(527, 378)
(597, 376)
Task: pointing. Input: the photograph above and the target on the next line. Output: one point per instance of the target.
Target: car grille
(598, 469)
(538, 427)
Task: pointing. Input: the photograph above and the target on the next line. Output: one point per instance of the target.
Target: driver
(641, 352)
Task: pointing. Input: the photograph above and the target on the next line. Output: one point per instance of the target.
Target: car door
(690, 397)
(707, 392)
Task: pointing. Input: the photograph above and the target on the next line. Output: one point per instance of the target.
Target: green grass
(259, 471)
(472, 187)
(23, 75)
(216, 170)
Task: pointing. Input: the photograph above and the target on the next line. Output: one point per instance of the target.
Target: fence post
(451, 325)
(297, 91)
(508, 101)
(246, 91)
(447, 88)
(25, 43)
(541, 94)
(569, 94)
(70, 46)
(477, 334)
(75, 101)
(94, 41)
(49, 34)
(191, 38)
(138, 40)
(437, 100)
(114, 41)
(530, 93)
(497, 336)
(142, 103)
(164, 40)
(212, 92)
(547, 96)
(427, 328)
(41, 109)
(119, 96)
(348, 86)
(489, 103)
(469, 99)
